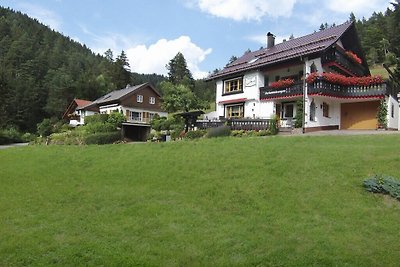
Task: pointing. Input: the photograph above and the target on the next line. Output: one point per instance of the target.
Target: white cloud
(155, 57)
(240, 10)
(45, 16)
(359, 7)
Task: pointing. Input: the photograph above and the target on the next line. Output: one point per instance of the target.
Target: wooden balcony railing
(235, 124)
(329, 89)
(138, 120)
(271, 92)
(325, 88)
(339, 56)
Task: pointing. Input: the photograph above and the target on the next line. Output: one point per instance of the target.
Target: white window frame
(139, 98)
(152, 100)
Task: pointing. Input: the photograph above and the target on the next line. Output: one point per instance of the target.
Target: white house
(326, 71)
(77, 110)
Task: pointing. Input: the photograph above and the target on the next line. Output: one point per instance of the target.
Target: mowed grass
(275, 201)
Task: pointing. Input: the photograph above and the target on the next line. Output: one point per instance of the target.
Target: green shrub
(102, 138)
(116, 119)
(45, 128)
(195, 134)
(102, 118)
(74, 137)
(219, 131)
(274, 125)
(98, 127)
(237, 133)
(384, 185)
(10, 135)
(28, 137)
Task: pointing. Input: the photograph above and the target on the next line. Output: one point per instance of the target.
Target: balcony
(337, 58)
(291, 91)
(139, 120)
(325, 88)
(328, 89)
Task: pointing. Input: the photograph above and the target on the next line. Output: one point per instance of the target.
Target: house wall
(83, 114)
(393, 113)
(283, 73)
(252, 81)
(318, 64)
(123, 109)
(146, 92)
(320, 120)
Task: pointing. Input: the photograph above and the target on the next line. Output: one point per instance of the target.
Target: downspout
(304, 93)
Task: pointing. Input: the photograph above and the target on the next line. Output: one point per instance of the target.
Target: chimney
(270, 40)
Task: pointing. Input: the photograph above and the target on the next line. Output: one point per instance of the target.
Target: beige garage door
(360, 116)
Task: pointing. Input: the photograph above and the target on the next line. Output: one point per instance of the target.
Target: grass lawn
(380, 70)
(275, 201)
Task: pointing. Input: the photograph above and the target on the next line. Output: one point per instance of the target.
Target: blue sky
(207, 32)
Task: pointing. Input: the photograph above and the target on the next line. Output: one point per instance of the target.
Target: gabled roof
(302, 46)
(75, 105)
(119, 94)
(81, 103)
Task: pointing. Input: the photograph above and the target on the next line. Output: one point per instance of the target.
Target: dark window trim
(231, 79)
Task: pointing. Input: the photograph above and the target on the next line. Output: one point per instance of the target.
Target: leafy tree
(179, 98)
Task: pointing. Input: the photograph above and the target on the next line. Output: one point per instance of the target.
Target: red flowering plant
(354, 57)
(312, 77)
(282, 83)
(339, 79)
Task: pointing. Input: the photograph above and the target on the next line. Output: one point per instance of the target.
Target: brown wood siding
(359, 116)
(146, 92)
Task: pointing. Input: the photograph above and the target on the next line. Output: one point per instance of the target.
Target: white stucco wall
(393, 121)
(320, 120)
(252, 82)
(318, 64)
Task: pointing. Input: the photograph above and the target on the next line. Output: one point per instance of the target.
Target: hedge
(102, 138)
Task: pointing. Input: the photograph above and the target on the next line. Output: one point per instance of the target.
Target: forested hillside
(379, 35)
(41, 71)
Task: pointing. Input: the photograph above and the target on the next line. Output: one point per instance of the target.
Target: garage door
(359, 116)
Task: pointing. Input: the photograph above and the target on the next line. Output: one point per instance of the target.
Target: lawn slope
(276, 201)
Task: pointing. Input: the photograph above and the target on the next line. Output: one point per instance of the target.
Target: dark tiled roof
(302, 46)
(118, 94)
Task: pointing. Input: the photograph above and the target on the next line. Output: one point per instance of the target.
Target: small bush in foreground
(219, 131)
(384, 185)
(195, 134)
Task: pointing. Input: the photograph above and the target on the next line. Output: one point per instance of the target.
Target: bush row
(12, 135)
(384, 185)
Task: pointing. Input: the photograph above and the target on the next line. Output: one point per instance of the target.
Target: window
(234, 85)
(312, 111)
(234, 111)
(288, 109)
(152, 100)
(139, 98)
(392, 110)
(135, 116)
(325, 110)
(151, 116)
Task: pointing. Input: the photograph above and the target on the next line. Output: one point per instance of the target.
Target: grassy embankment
(286, 201)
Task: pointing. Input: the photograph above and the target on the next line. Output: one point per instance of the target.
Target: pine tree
(178, 72)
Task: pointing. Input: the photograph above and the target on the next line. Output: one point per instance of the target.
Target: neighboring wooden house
(138, 103)
(77, 110)
(270, 81)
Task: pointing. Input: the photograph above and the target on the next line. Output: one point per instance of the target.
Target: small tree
(179, 98)
(298, 123)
